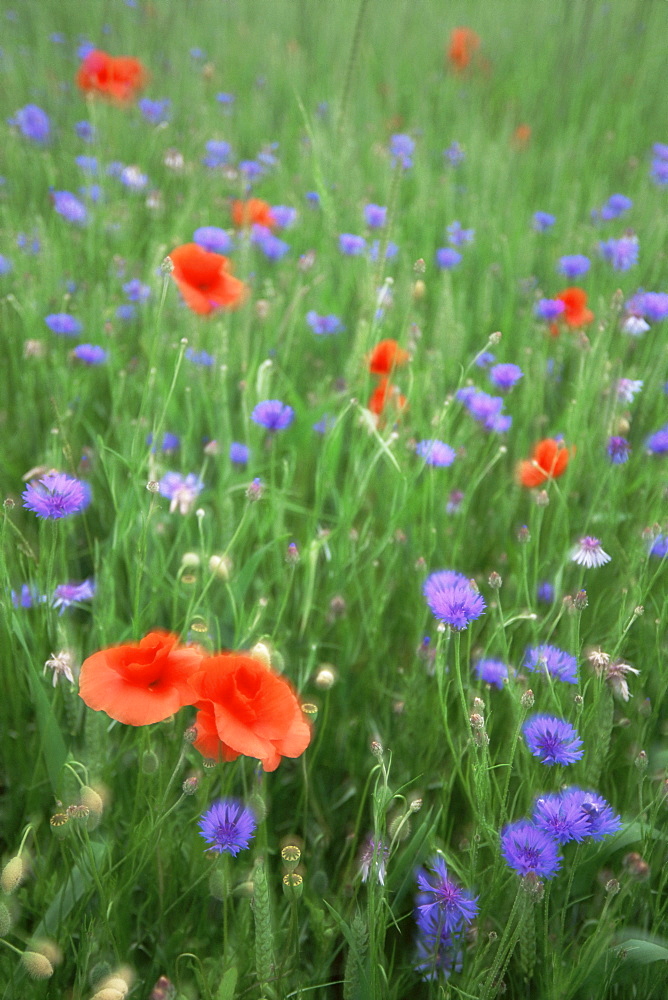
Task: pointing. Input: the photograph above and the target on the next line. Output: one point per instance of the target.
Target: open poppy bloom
(140, 684)
(204, 280)
(575, 313)
(386, 395)
(116, 77)
(549, 460)
(253, 212)
(386, 356)
(463, 43)
(244, 708)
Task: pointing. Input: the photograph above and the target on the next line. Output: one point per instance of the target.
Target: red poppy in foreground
(253, 212)
(575, 313)
(204, 280)
(246, 709)
(548, 461)
(140, 684)
(386, 395)
(117, 77)
(464, 42)
(386, 356)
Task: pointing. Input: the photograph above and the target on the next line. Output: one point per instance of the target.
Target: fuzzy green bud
(13, 874)
(150, 762)
(5, 919)
(37, 966)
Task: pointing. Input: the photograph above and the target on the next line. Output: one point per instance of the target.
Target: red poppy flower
(203, 279)
(548, 461)
(117, 77)
(253, 212)
(244, 708)
(386, 356)
(140, 684)
(576, 313)
(464, 42)
(385, 395)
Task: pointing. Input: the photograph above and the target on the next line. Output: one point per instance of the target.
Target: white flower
(589, 553)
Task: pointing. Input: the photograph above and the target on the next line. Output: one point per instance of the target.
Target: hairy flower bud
(13, 874)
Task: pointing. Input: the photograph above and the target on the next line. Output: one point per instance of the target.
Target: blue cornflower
(401, 150)
(485, 409)
(63, 324)
(228, 825)
(133, 178)
(324, 424)
(88, 164)
(618, 450)
(459, 237)
(549, 309)
(657, 442)
(213, 238)
(126, 312)
(202, 358)
(553, 661)
(251, 169)
(493, 672)
(545, 592)
(375, 216)
(351, 245)
(438, 951)
(542, 221)
(659, 170)
(574, 265)
(505, 376)
(284, 216)
(435, 452)
(454, 154)
(56, 495)
(217, 153)
(442, 897)
(373, 859)
(271, 246)
(5, 265)
(616, 205)
(170, 442)
(484, 359)
(273, 414)
(601, 820)
(90, 354)
(67, 594)
(447, 258)
(181, 491)
(28, 597)
(85, 130)
(155, 112)
(530, 851)
(628, 388)
(239, 454)
(391, 250)
(33, 123)
(224, 98)
(659, 547)
(552, 740)
(313, 197)
(455, 603)
(136, 291)
(621, 253)
(93, 192)
(560, 818)
(324, 325)
(69, 206)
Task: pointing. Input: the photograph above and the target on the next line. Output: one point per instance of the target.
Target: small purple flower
(90, 354)
(351, 245)
(67, 594)
(136, 291)
(28, 597)
(401, 150)
(56, 495)
(181, 491)
(454, 154)
(438, 951)
(485, 409)
(284, 216)
(391, 250)
(561, 818)
(85, 130)
(217, 153)
(618, 450)
(375, 216)
(126, 312)
(5, 265)
(627, 388)
(225, 98)
(659, 171)
(33, 123)
(505, 376)
(87, 163)
(313, 198)
(170, 443)
(657, 443)
(542, 221)
(530, 851)
(63, 324)
(447, 258)
(435, 452)
(616, 205)
(133, 177)
(239, 454)
(601, 820)
(441, 896)
(552, 740)
(273, 414)
(484, 359)
(573, 265)
(659, 547)
(324, 325)
(549, 309)
(372, 862)
(553, 661)
(228, 825)
(650, 305)
(621, 253)
(213, 238)
(589, 553)
(271, 246)
(201, 358)
(492, 672)
(251, 169)
(545, 592)
(155, 112)
(69, 206)
(453, 599)
(459, 237)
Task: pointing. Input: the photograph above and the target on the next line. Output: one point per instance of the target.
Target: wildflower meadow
(334, 402)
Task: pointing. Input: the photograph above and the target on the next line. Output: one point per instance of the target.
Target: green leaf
(79, 882)
(228, 985)
(642, 950)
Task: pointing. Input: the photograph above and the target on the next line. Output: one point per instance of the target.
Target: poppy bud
(13, 874)
(37, 966)
(5, 920)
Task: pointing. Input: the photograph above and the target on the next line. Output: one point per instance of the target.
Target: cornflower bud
(527, 699)
(494, 580)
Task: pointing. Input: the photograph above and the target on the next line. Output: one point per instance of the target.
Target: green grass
(393, 754)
